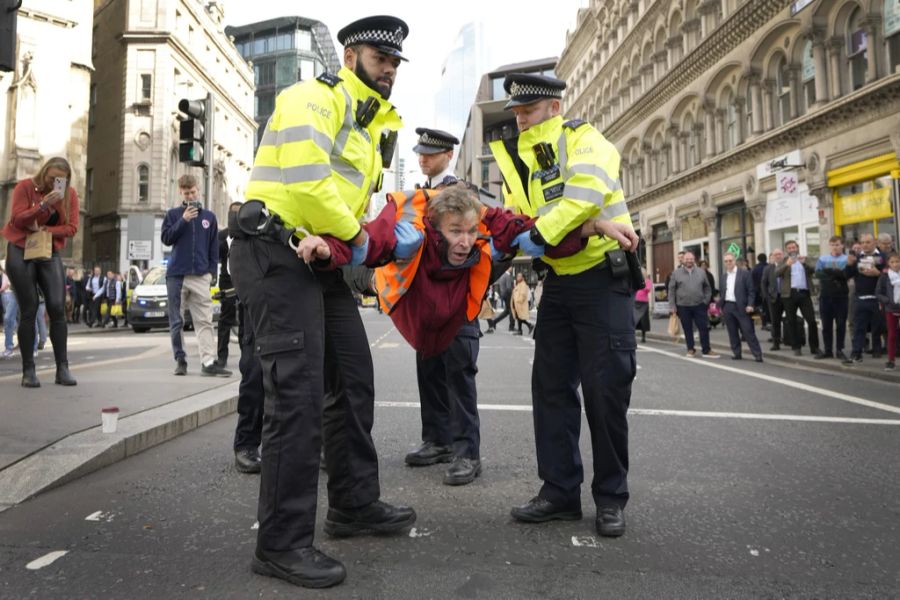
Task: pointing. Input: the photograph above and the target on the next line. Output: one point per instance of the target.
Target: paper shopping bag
(39, 245)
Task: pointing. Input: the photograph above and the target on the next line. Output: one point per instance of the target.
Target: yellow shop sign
(865, 206)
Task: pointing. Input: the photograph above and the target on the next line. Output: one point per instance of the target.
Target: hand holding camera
(191, 210)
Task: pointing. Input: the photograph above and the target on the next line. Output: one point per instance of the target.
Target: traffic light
(8, 18)
(192, 132)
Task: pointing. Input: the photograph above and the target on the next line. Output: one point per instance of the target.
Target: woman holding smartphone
(46, 201)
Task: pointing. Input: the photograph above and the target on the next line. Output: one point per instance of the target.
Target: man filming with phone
(192, 232)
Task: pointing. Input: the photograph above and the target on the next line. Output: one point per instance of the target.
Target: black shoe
(306, 567)
(798, 352)
(857, 358)
(876, 355)
(63, 376)
(539, 510)
(775, 347)
(736, 357)
(823, 355)
(181, 368)
(462, 471)
(247, 460)
(29, 378)
(758, 358)
(840, 355)
(517, 333)
(490, 329)
(889, 365)
(41, 345)
(429, 453)
(377, 517)
(214, 370)
(610, 521)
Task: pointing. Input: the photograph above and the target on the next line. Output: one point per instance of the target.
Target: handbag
(39, 245)
(674, 326)
(116, 310)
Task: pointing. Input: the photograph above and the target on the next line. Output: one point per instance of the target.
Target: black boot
(29, 377)
(63, 377)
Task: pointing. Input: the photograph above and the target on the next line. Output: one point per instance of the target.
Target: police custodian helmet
(381, 32)
(525, 88)
(434, 141)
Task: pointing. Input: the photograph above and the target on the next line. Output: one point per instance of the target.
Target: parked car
(148, 305)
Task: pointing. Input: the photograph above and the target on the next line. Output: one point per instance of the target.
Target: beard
(366, 79)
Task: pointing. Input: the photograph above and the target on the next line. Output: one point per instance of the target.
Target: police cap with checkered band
(381, 32)
(525, 88)
(434, 141)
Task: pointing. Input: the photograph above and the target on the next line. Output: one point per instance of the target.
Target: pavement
(52, 436)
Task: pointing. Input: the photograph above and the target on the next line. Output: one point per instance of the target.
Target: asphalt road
(747, 481)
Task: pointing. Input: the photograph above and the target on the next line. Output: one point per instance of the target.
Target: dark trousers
(251, 393)
(800, 299)
(26, 276)
(227, 320)
(833, 310)
(93, 313)
(448, 397)
(507, 313)
(739, 323)
(776, 311)
(110, 302)
(866, 315)
(584, 336)
(695, 315)
(308, 330)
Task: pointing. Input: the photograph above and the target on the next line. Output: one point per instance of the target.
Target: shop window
(857, 50)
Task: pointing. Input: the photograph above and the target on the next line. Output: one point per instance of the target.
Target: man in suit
(771, 292)
(736, 303)
(796, 293)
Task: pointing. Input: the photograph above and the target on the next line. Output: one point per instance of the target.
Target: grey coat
(689, 288)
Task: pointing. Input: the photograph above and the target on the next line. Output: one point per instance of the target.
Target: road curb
(84, 452)
(785, 357)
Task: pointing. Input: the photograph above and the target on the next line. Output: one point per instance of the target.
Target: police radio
(366, 111)
(388, 143)
(545, 155)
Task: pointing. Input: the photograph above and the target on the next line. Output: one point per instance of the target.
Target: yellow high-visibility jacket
(585, 185)
(316, 167)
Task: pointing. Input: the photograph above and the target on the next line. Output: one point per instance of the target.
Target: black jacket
(884, 291)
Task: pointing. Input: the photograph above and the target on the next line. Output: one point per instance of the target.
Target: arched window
(732, 127)
(782, 91)
(748, 110)
(143, 184)
(808, 77)
(892, 34)
(857, 50)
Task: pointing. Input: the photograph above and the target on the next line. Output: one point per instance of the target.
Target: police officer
(447, 394)
(566, 173)
(315, 168)
(435, 150)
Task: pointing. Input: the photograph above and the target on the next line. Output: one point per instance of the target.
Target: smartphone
(59, 185)
(195, 204)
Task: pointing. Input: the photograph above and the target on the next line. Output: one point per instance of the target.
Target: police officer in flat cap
(566, 172)
(315, 169)
(435, 150)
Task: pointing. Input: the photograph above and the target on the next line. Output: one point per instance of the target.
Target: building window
(265, 104)
(264, 74)
(146, 92)
(732, 127)
(88, 189)
(143, 186)
(891, 14)
(304, 39)
(857, 50)
(808, 76)
(497, 91)
(307, 69)
(783, 90)
(485, 172)
(285, 41)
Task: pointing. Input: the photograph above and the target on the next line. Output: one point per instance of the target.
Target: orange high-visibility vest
(394, 279)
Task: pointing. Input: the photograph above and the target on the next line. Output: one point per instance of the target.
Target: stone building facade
(44, 103)
(743, 124)
(150, 54)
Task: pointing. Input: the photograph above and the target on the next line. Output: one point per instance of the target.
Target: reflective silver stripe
(266, 174)
(347, 171)
(576, 192)
(300, 133)
(563, 155)
(305, 173)
(614, 210)
(599, 173)
(340, 141)
(543, 210)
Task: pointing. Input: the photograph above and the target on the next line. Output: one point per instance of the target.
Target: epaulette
(574, 123)
(329, 79)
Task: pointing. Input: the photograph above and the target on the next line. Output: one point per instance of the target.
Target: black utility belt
(255, 221)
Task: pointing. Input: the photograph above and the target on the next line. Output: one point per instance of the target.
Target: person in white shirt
(736, 302)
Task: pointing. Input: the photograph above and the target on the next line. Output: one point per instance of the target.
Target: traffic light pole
(208, 151)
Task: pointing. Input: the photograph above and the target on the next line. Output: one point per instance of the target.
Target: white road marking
(388, 345)
(585, 541)
(381, 337)
(684, 413)
(47, 559)
(792, 384)
(99, 516)
(417, 533)
(255, 525)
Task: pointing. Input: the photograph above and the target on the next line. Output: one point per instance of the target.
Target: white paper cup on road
(109, 417)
